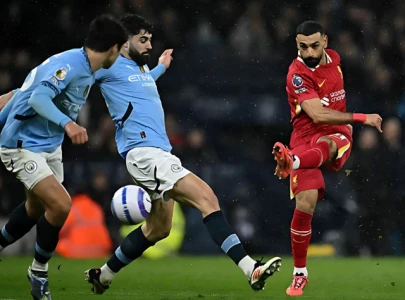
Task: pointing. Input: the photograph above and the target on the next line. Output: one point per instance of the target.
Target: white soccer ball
(131, 204)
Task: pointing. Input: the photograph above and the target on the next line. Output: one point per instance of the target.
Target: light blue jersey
(51, 96)
(134, 104)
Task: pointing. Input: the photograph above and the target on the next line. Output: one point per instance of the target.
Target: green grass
(212, 278)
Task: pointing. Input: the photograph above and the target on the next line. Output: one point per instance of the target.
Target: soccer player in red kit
(321, 137)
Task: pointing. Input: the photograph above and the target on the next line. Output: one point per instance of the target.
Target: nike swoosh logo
(321, 84)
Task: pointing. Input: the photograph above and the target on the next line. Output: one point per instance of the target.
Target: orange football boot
(297, 286)
(284, 159)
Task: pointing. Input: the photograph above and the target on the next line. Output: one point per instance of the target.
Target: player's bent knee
(60, 209)
(332, 146)
(156, 232)
(306, 201)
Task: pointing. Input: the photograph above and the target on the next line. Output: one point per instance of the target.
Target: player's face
(312, 48)
(111, 57)
(139, 47)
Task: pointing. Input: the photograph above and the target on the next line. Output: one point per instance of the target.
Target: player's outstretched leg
(57, 205)
(192, 190)
(320, 153)
(301, 233)
(156, 228)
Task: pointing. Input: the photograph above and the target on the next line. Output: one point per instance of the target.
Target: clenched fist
(77, 134)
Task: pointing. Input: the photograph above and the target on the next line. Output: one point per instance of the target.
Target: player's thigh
(155, 170)
(307, 186)
(192, 190)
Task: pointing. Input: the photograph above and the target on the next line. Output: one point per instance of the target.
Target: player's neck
(96, 59)
(323, 59)
(123, 53)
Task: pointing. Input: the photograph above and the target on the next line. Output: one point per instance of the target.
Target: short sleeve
(301, 87)
(58, 73)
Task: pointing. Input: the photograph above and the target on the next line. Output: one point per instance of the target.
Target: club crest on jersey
(61, 73)
(86, 91)
(297, 81)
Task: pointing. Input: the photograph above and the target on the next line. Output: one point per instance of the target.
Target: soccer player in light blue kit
(35, 121)
(134, 104)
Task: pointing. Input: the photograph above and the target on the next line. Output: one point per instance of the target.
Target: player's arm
(323, 115)
(41, 101)
(6, 108)
(164, 63)
(5, 98)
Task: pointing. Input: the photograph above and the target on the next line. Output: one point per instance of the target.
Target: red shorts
(312, 179)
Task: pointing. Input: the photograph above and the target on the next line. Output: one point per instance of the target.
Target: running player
(35, 121)
(321, 135)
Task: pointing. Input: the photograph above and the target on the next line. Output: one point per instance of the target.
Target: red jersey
(324, 82)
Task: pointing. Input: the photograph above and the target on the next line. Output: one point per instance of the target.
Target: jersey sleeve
(58, 73)
(301, 87)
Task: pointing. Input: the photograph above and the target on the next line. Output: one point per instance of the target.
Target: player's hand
(77, 134)
(166, 58)
(374, 120)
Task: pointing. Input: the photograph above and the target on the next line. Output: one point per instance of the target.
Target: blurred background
(225, 103)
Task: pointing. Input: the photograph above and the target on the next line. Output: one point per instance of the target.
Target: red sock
(314, 157)
(300, 236)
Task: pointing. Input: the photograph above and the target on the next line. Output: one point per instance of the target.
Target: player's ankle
(37, 266)
(299, 271)
(247, 265)
(106, 275)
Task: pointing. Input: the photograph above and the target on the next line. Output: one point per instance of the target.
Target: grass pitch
(211, 278)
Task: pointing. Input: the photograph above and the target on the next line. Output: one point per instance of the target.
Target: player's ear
(126, 45)
(298, 44)
(325, 41)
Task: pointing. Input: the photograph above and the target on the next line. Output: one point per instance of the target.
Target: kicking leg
(193, 191)
(324, 151)
(157, 227)
(22, 219)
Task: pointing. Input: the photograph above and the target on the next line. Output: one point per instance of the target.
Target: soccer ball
(131, 204)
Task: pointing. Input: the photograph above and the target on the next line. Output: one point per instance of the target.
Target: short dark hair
(105, 31)
(134, 23)
(309, 28)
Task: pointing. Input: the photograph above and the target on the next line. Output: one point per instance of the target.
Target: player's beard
(312, 62)
(140, 58)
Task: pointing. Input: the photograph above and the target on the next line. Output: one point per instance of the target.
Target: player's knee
(306, 201)
(156, 232)
(332, 146)
(60, 209)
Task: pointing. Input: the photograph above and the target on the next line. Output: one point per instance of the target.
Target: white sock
(296, 163)
(37, 266)
(301, 271)
(106, 275)
(247, 264)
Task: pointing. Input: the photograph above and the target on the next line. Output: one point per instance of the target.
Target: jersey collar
(87, 59)
(328, 60)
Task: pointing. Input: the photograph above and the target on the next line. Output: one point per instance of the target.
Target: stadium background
(225, 104)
